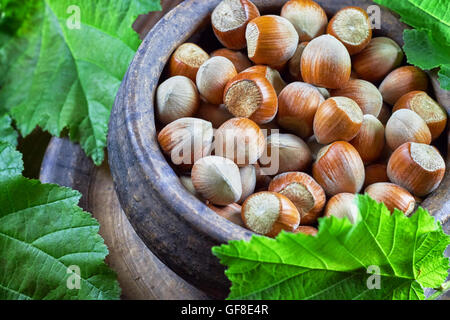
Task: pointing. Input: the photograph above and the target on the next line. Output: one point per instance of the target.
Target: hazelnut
(338, 118)
(343, 205)
(297, 106)
(369, 142)
(401, 81)
(216, 114)
(417, 167)
(406, 126)
(271, 40)
(308, 230)
(269, 213)
(217, 180)
(393, 196)
(248, 179)
(270, 74)
(229, 21)
(176, 98)
(339, 168)
(186, 61)
(250, 95)
(376, 173)
(231, 212)
(375, 61)
(308, 18)
(213, 76)
(241, 140)
(295, 62)
(304, 192)
(239, 60)
(326, 63)
(352, 27)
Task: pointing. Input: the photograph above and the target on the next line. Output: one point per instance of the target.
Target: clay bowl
(176, 226)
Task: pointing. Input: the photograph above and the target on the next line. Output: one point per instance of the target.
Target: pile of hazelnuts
(352, 119)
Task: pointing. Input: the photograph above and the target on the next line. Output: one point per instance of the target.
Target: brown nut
(216, 114)
(250, 95)
(343, 205)
(297, 106)
(304, 192)
(295, 63)
(308, 18)
(213, 76)
(351, 26)
(406, 126)
(306, 230)
(376, 173)
(339, 169)
(385, 114)
(176, 98)
(417, 167)
(369, 142)
(231, 212)
(428, 109)
(186, 61)
(291, 152)
(375, 61)
(240, 60)
(217, 180)
(241, 140)
(186, 140)
(269, 213)
(229, 21)
(337, 119)
(401, 81)
(271, 40)
(326, 63)
(393, 196)
(365, 94)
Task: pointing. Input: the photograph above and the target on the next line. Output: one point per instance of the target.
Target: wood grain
(140, 273)
(177, 227)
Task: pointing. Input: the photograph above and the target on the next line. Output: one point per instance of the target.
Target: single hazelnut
(231, 212)
(343, 205)
(339, 168)
(385, 114)
(326, 63)
(176, 98)
(186, 140)
(216, 114)
(241, 140)
(304, 192)
(217, 180)
(393, 196)
(297, 106)
(429, 110)
(213, 76)
(308, 230)
(308, 18)
(401, 81)
(417, 167)
(406, 126)
(376, 173)
(271, 40)
(229, 21)
(375, 61)
(351, 26)
(269, 213)
(186, 61)
(369, 142)
(250, 95)
(338, 118)
(290, 152)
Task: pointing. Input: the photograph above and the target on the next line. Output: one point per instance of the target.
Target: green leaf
(429, 46)
(43, 233)
(57, 76)
(334, 264)
(7, 132)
